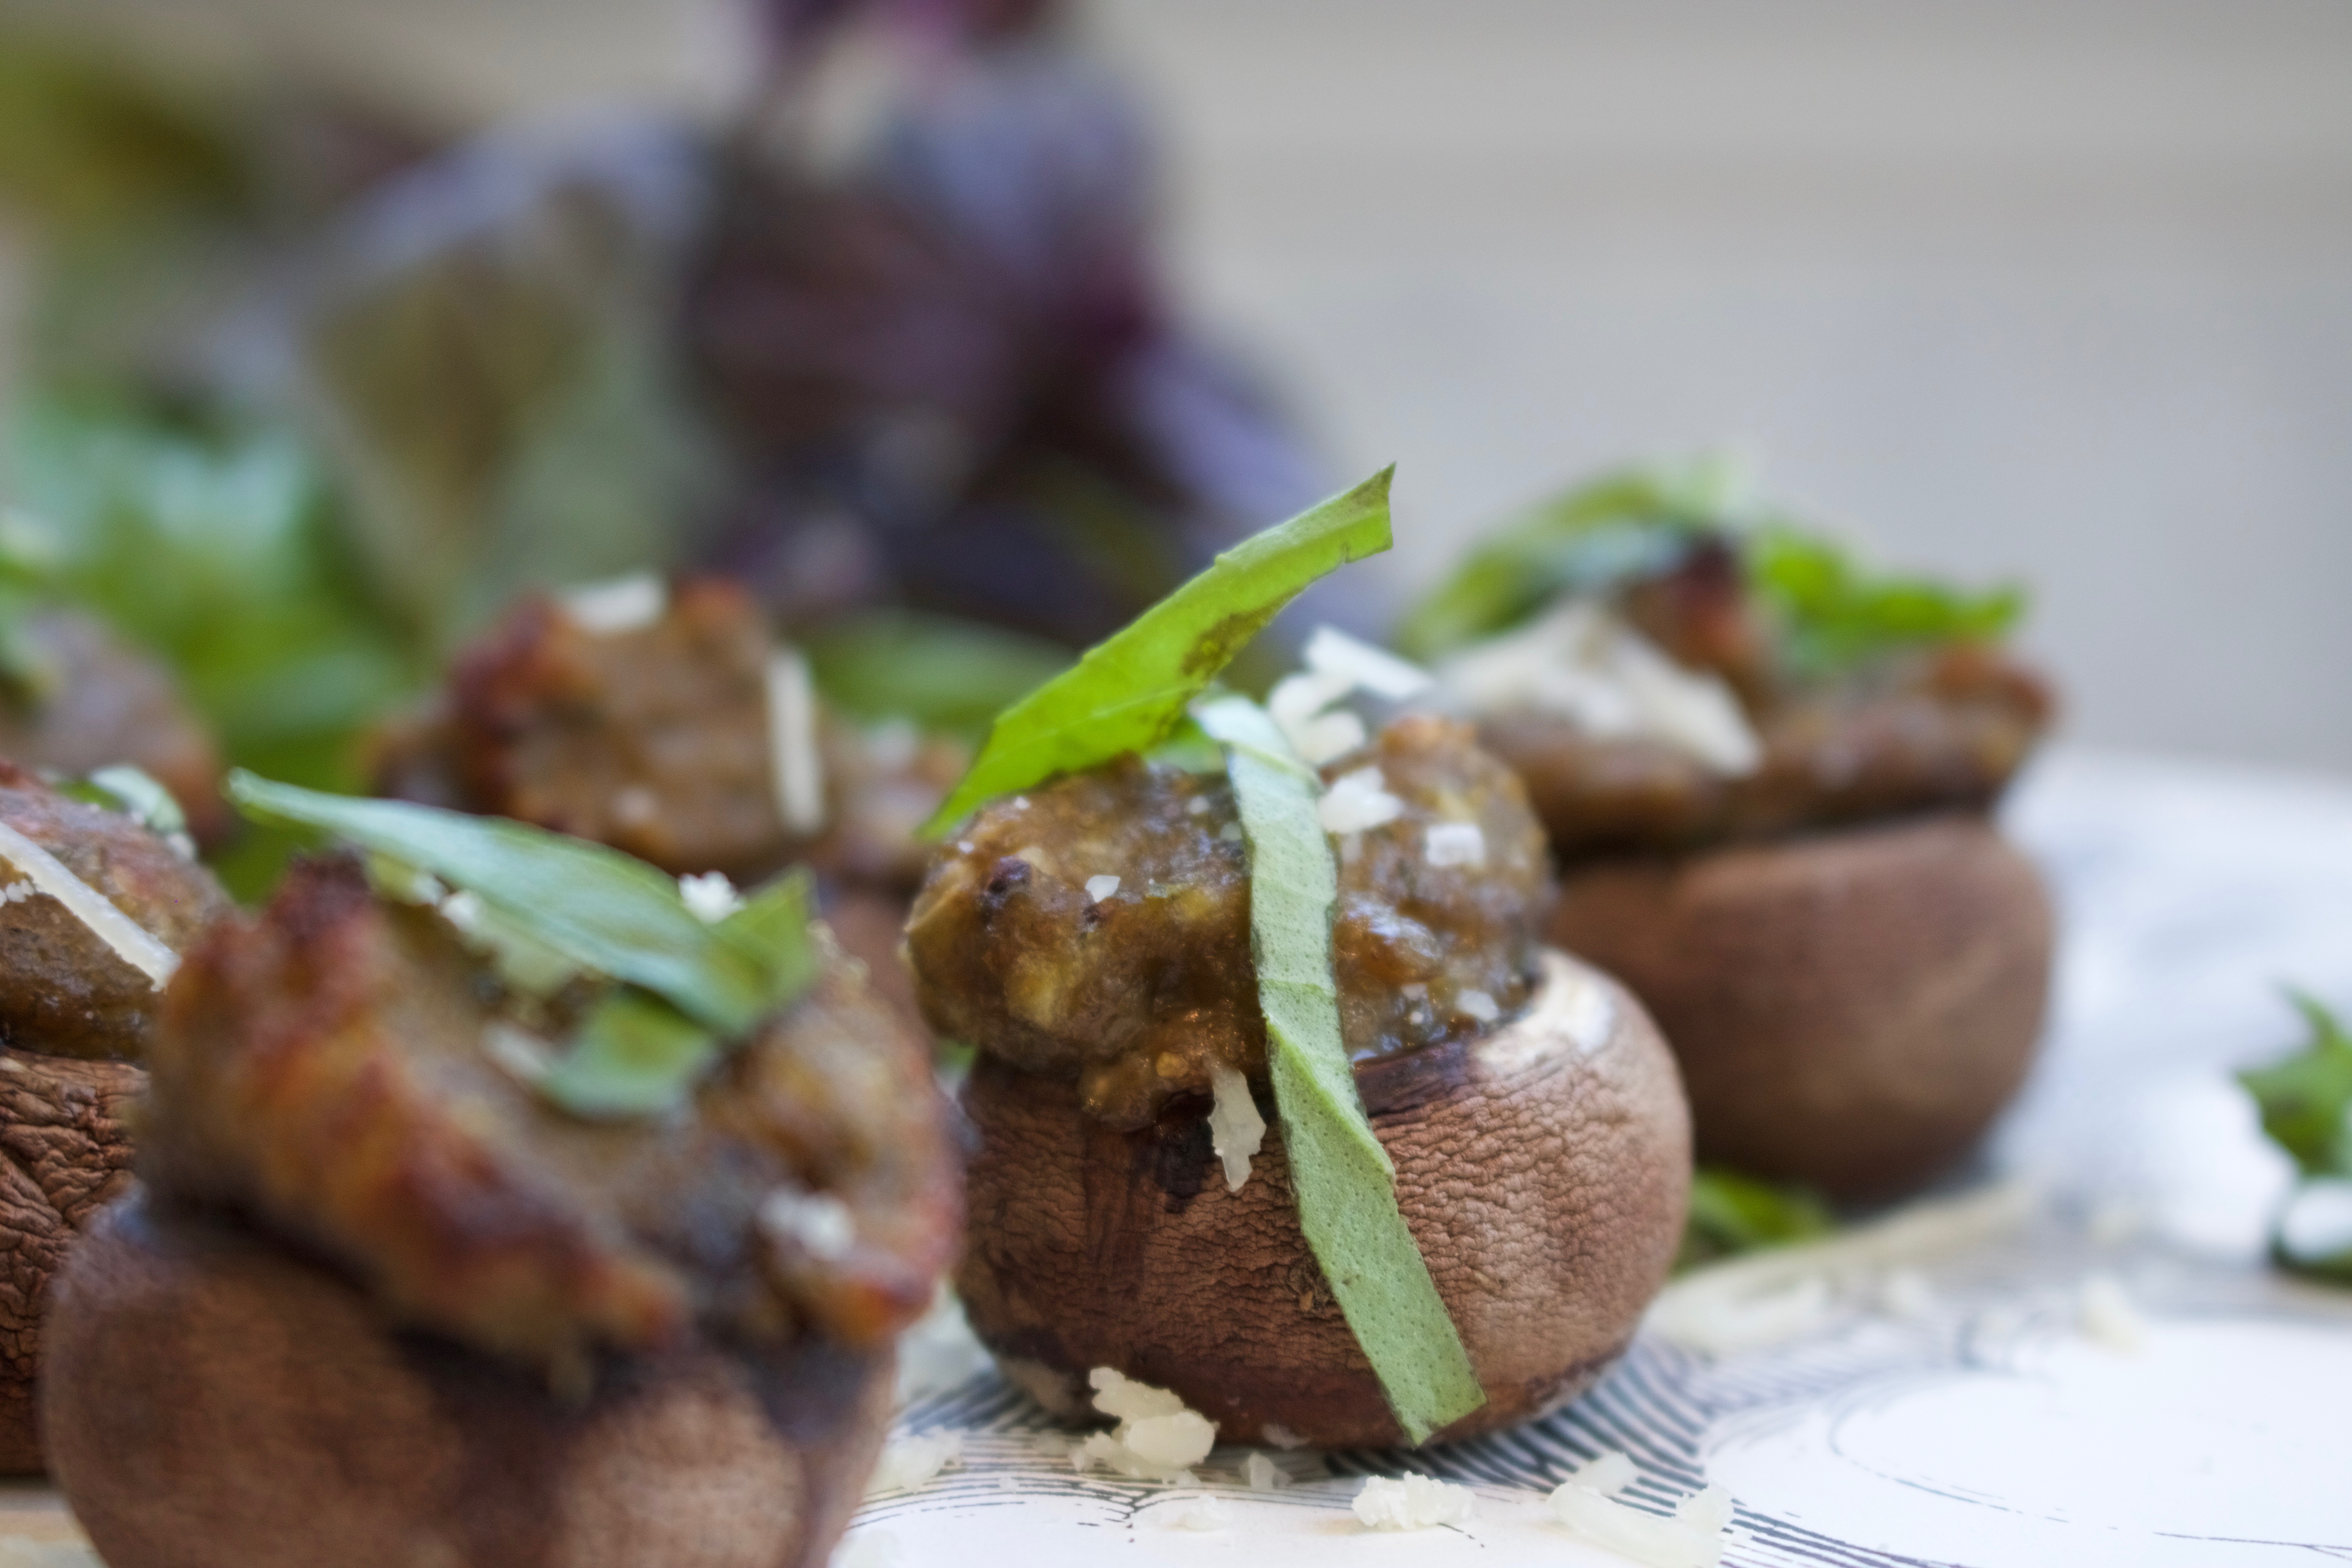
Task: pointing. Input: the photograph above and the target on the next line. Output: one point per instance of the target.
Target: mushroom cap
(1543, 1168)
(68, 1154)
(1851, 1008)
(212, 1399)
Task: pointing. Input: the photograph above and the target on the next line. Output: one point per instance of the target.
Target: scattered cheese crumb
(1200, 1513)
(915, 1461)
(1693, 1538)
(619, 605)
(1230, 833)
(797, 768)
(1282, 1437)
(17, 892)
(1157, 1439)
(1356, 801)
(1102, 886)
(1197, 807)
(710, 896)
(817, 1223)
(869, 1549)
(1236, 1129)
(1327, 736)
(1455, 843)
(130, 941)
(1582, 662)
(1414, 1502)
(1300, 706)
(1477, 1004)
(2106, 1315)
(1264, 1475)
(1332, 652)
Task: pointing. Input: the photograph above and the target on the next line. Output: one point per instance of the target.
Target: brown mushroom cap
(67, 1153)
(215, 1401)
(1543, 1168)
(1851, 1008)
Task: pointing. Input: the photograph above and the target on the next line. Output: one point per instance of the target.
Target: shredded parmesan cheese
(1477, 1004)
(1692, 1538)
(1332, 652)
(818, 1223)
(47, 874)
(1358, 800)
(1455, 843)
(710, 896)
(1157, 1439)
(1102, 886)
(1264, 1475)
(1584, 664)
(792, 738)
(1413, 1502)
(1236, 1131)
(620, 605)
(910, 1463)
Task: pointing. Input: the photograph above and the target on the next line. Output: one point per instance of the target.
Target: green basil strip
(634, 1056)
(772, 929)
(1344, 1181)
(1128, 692)
(598, 907)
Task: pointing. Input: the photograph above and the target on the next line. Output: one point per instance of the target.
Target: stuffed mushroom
(451, 1248)
(670, 722)
(94, 908)
(1110, 943)
(1770, 780)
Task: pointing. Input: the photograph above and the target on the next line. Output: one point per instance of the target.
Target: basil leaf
(1731, 1214)
(596, 906)
(1128, 692)
(2305, 1101)
(634, 1056)
(1629, 523)
(1345, 1184)
(1834, 616)
(772, 930)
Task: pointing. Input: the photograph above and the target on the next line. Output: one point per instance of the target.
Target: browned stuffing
(1135, 994)
(325, 1071)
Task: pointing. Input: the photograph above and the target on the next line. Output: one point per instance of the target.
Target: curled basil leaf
(1344, 1181)
(1128, 692)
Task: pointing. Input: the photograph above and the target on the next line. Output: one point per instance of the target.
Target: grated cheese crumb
(1477, 1004)
(1692, 1538)
(1357, 801)
(910, 1463)
(1157, 1439)
(1102, 886)
(1413, 1502)
(1455, 843)
(618, 605)
(1264, 1475)
(1236, 1129)
(710, 897)
(797, 768)
(817, 1223)
(1332, 652)
(131, 942)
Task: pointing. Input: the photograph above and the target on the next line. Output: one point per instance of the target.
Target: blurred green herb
(1344, 1182)
(947, 676)
(213, 551)
(1731, 1214)
(1834, 616)
(2305, 1102)
(689, 984)
(1623, 525)
(1129, 691)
